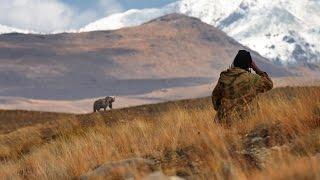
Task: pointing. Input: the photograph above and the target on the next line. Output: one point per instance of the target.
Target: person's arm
(262, 82)
(217, 96)
(259, 71)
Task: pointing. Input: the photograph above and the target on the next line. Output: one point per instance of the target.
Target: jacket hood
(232, 72)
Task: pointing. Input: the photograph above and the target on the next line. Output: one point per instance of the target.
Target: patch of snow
(129, 18)
(6, 29)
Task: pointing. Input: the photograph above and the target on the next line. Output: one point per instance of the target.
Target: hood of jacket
(231, 73)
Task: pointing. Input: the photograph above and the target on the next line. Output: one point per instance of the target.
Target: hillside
(280, 141)
(173, 51)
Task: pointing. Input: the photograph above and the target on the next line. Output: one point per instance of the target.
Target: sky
(61, 15)
(126, 4)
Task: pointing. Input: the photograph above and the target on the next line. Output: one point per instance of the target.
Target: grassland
(281, 140)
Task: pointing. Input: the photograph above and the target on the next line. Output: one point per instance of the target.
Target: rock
(261, 156)
(263, 142)
(176, 178)
(256, 156)
(125, 169)
(160, 176)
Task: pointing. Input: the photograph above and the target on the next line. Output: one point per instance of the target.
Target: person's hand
(255, 68)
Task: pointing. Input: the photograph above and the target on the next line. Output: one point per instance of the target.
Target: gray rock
(125, 169)
(259, 149)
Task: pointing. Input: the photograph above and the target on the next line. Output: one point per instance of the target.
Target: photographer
(237, 87)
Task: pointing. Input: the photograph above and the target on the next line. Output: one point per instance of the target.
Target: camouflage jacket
(236, 88)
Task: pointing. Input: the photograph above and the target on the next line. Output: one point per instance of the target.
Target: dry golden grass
(180, 136)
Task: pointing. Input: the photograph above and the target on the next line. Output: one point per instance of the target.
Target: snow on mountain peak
(6, 29)
(132, 17)
(208, 11)
(279, 30)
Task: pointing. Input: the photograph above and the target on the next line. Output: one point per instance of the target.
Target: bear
(103, 103)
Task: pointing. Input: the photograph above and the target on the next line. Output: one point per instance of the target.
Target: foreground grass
(280, 141)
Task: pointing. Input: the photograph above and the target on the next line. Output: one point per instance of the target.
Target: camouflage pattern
(234, 92)
(103, 103)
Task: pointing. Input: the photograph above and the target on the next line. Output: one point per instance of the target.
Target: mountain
(284, 31)
(132, 17)
(6, 29)
(173, 51)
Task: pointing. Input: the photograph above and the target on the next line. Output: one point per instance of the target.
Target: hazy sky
(126, 4)
(57, 15)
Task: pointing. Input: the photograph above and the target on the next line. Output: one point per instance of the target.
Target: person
(237, 87)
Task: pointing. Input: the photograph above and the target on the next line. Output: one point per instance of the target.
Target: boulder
(264, 142)
(125, 169)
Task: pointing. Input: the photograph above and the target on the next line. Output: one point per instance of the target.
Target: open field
(281, 140)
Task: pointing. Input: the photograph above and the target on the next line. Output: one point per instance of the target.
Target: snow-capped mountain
(7, 29)
(132, 17)
(282, 30)
(285, 31)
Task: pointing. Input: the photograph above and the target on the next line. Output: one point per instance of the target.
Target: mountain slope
(282, 30)
(171, 51)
